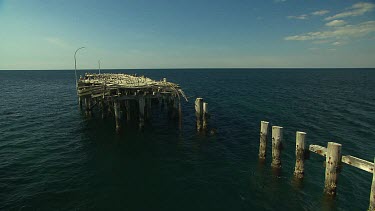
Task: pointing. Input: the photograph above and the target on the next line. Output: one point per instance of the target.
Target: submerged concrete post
(263, 139)
(277, 137)
(333, 162)
(299, 169)
(141, 102)
(116, 107)
(199, 112)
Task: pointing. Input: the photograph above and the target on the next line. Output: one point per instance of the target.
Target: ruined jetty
(126, 96)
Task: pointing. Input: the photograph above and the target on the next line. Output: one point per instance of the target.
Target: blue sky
(42, 34)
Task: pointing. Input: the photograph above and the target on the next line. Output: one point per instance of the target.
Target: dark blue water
(53, 157)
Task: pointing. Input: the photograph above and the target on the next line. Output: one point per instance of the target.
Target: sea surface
(53, 157)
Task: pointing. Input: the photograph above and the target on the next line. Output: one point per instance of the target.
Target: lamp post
(75, 65)
(99, 65)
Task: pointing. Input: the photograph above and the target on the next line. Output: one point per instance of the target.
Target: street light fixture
(75, 65)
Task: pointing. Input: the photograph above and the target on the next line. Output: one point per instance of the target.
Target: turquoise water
(53, 157)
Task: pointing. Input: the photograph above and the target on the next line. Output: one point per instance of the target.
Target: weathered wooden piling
(372, 194)
(88, 106)
(333, 163)
(128, 110)
(141, 103)
(172, 107)
(263, 139)
(199, 112)
(277, 137)
(102, 107)
(147, 108)
(116, 108)
(205, 115)
(299, 169)
(80, 102)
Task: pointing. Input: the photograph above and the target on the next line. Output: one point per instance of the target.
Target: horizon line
(184, 68)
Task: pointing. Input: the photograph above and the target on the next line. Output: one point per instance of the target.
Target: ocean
(53, 157)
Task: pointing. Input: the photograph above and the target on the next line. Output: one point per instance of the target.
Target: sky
(127, 34)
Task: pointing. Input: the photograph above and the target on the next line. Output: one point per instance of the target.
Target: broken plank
(318, 150)
(358, 163)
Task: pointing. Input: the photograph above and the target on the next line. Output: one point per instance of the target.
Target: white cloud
(336, 23)
(57, 41)
(340, 32)
(300, 17)
(355, 10)
(337, 43)
(320, 12)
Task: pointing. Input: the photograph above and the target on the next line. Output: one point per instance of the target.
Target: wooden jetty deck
(129, 96)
